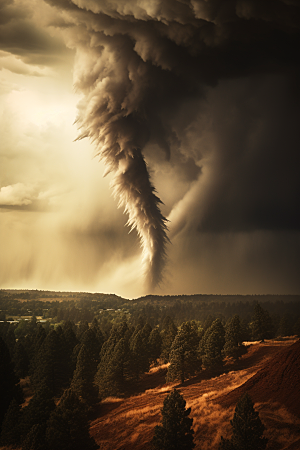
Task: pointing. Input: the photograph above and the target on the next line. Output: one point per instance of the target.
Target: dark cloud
(256, 183)
(173, 75)
(22, 36)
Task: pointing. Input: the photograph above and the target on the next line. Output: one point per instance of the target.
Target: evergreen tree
(11, 431)
(169, 331)
(247, 428)
(68, 427)
(212, 345)
(155, 342)
(114, 361)
(208, 322)
(284, 326)
(38, 410)
(111, 372)
(82, 328)
(95, 327)
(246, 332)
(175, 431)
(140, 351)
(51, 364)
(70, 341)
(10, 340)
(9, 383)
(20, 360)
(37, 341)
(184, 356)
(261, 325)
(83, 378)
(118, 332)
(233, 338)
(296, 327)
(93, 342)
(35, 439)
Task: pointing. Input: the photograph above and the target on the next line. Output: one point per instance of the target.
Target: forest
(63, 354)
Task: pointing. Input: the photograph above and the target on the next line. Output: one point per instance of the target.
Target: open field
(128, 424)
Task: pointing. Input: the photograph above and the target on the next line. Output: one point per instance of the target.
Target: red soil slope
(128, 423)
(277, 381)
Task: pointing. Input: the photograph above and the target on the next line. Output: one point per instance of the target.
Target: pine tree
(82, 328)
(261, 325)
(212, 345)
(111, 372)
(70, 341)
(169, 331)
(11, 431)
(9, 383)
(20, 359)
(38, 409)
(114, 361)
(10, 340)
(184, 356)
(68, 427)
(175, 431)
(95, 327)
(247, 428)
(155, 342)
(51, 364)
(35, 439)
(233, 338)
(83, 378)
(284, 326)
(37, 341)
(92, 342)
(139, 351)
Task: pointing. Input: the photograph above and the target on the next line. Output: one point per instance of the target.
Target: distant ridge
(222, 297)
(152, 298)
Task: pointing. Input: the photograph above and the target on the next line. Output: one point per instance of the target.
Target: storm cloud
(193, 107)
(154, 73)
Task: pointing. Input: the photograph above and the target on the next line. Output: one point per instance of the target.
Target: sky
(150, 146)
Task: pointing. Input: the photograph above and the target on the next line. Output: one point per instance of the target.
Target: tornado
(146, 68)
(114, 116)
(118, 143)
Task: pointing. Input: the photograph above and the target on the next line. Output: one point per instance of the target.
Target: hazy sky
(197, 99)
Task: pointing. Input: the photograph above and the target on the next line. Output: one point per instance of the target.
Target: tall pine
(11, 430)
(247, 428)
(9, 382)
(38, 410)
(212, 345)
(68, 426)
(169, 331)
(234, 338)
(83, 378)
(184, 356)
(261, 324)
(175, 431)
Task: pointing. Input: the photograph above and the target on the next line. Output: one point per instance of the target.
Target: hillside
(124, 424)
(278, 381)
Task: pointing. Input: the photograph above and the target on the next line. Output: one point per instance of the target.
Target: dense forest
(72, 350)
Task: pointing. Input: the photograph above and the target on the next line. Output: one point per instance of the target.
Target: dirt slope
(128, 424)
(277, 381)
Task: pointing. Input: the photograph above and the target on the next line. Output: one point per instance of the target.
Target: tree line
(107, 308)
